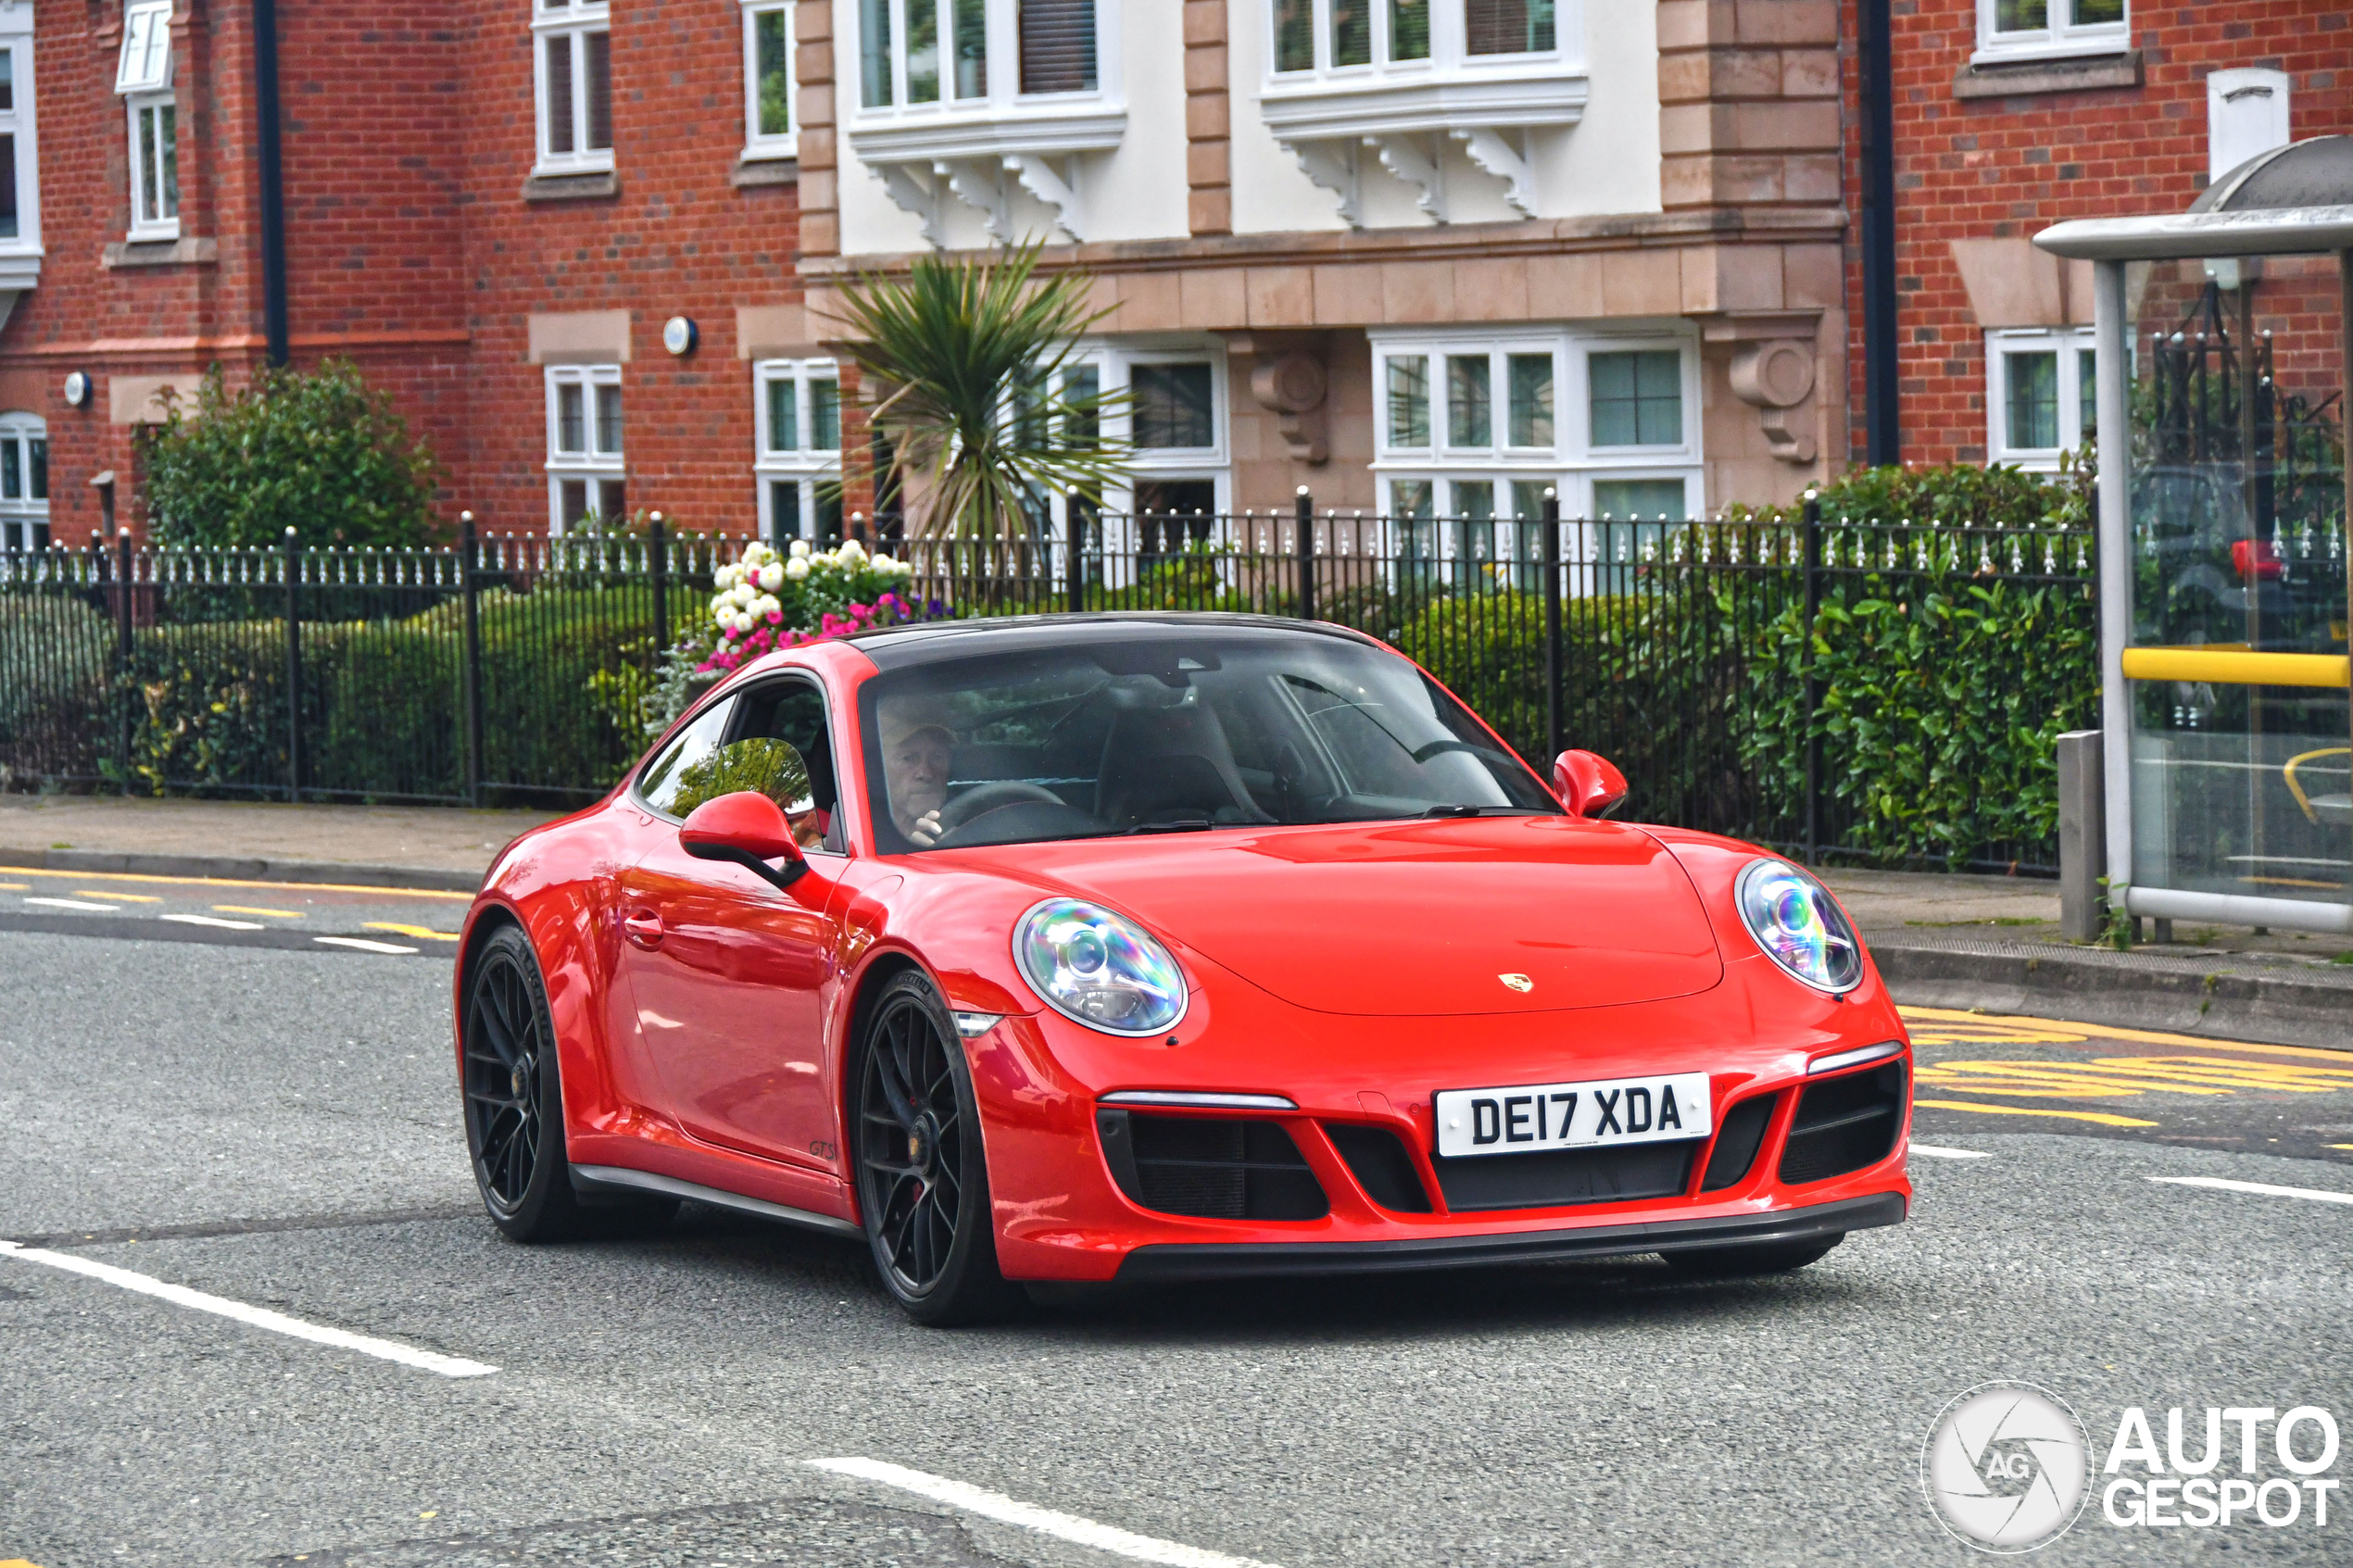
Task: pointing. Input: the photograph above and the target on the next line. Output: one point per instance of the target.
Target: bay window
(142, 80)
(1473, 428)
(769, 88)
(2026, 30)
(799, 460)
(1370, 36)
(913, 53)
(586, 471)
(572, 76)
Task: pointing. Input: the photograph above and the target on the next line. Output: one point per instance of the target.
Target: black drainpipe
(1882, 410)
(273, 179)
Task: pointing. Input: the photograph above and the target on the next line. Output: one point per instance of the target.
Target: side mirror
(1588, 784)
(748, 828)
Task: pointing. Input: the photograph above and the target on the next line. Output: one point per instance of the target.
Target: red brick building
(493, 207)
(2011, 115)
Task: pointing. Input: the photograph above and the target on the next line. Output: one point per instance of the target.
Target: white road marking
(1046, 1521)
(210, 920)
(2264, 1188)
(1935, 1152)
(76, 904)
(257, 1317)
(363, 944)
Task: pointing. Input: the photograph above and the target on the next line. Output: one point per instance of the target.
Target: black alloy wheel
(923, 1180)
(515, 1107)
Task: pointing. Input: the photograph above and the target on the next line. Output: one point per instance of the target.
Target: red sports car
(1164, 946)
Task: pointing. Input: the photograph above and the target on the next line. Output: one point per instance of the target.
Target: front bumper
(1822, 1222)
(1063, 1213)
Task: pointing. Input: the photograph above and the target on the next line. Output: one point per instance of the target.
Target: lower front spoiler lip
(1155, 1264)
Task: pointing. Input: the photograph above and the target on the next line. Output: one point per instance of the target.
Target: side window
(668, 779)
(780, 729)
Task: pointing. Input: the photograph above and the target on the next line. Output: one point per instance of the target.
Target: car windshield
(1168, 731)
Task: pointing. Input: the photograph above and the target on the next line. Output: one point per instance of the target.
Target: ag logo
(2005, 1467)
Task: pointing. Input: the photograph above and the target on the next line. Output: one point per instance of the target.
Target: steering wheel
(975, 803)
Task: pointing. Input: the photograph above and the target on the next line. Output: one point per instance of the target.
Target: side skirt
(589, 1180)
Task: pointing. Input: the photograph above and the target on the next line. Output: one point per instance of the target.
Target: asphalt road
(276, 1126)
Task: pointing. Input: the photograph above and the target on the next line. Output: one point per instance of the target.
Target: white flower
(851, 553)
(797, 568)
(772, 577)
(757, 555)
(883, 563)
(721, 606)
(726, 577)
(765, 606)
(743, 621)
(798, 548)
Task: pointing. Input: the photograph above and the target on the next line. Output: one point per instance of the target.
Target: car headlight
(1098, 968)
(1800, 926)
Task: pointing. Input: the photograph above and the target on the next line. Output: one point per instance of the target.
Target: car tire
(921, 1170)
(514, 1106)
(1763, 1258)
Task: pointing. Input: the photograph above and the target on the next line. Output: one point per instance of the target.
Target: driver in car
(918, 751)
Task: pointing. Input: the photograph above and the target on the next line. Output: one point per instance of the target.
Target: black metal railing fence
(1705, 658)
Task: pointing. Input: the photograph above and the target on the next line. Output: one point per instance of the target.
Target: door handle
(643, 927)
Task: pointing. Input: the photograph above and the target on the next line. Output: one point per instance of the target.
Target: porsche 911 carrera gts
(1147, 948)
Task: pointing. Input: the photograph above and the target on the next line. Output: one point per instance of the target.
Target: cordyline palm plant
(967, 359)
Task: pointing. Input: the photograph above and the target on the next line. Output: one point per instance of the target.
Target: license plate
(1532, 1117)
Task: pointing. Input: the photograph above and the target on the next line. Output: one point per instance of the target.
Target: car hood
(1416, 917)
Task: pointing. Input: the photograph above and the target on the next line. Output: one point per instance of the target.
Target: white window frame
(18, 121)
(24, 520)
(802, 463)
(578, 19)
(2059, 40)
(2074, 347)
(1571, 467)
(142, 80)
(758, 146)
(1450, 55)
(1114, 361)
(1005, 97)
(590, 467)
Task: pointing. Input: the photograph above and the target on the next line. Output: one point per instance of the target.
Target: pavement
(1941, 940)
(254, 1316)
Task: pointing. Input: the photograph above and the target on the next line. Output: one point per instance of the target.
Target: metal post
(2083, 836)
(270, 176)
(1074, 528)
(658, 560)
(293, 665)
(1306, 554)
(469, 562)
(123, 647)
(1550, 545)
(1813, 679)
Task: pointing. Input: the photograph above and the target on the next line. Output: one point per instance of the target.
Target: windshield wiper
(1189, 824)
(1482, 812)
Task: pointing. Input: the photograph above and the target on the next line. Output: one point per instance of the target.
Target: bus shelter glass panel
(2242, 762)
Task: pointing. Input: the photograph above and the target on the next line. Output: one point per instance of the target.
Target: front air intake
(1845, 1123)
(1210, 1167)
(1737, 1141)
(1377, 1158)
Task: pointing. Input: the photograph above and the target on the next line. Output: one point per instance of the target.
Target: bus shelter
(2219, 390)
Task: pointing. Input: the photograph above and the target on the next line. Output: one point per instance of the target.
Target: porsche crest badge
(1517, 982)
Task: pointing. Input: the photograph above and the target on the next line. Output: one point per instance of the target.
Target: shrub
(319, 452)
